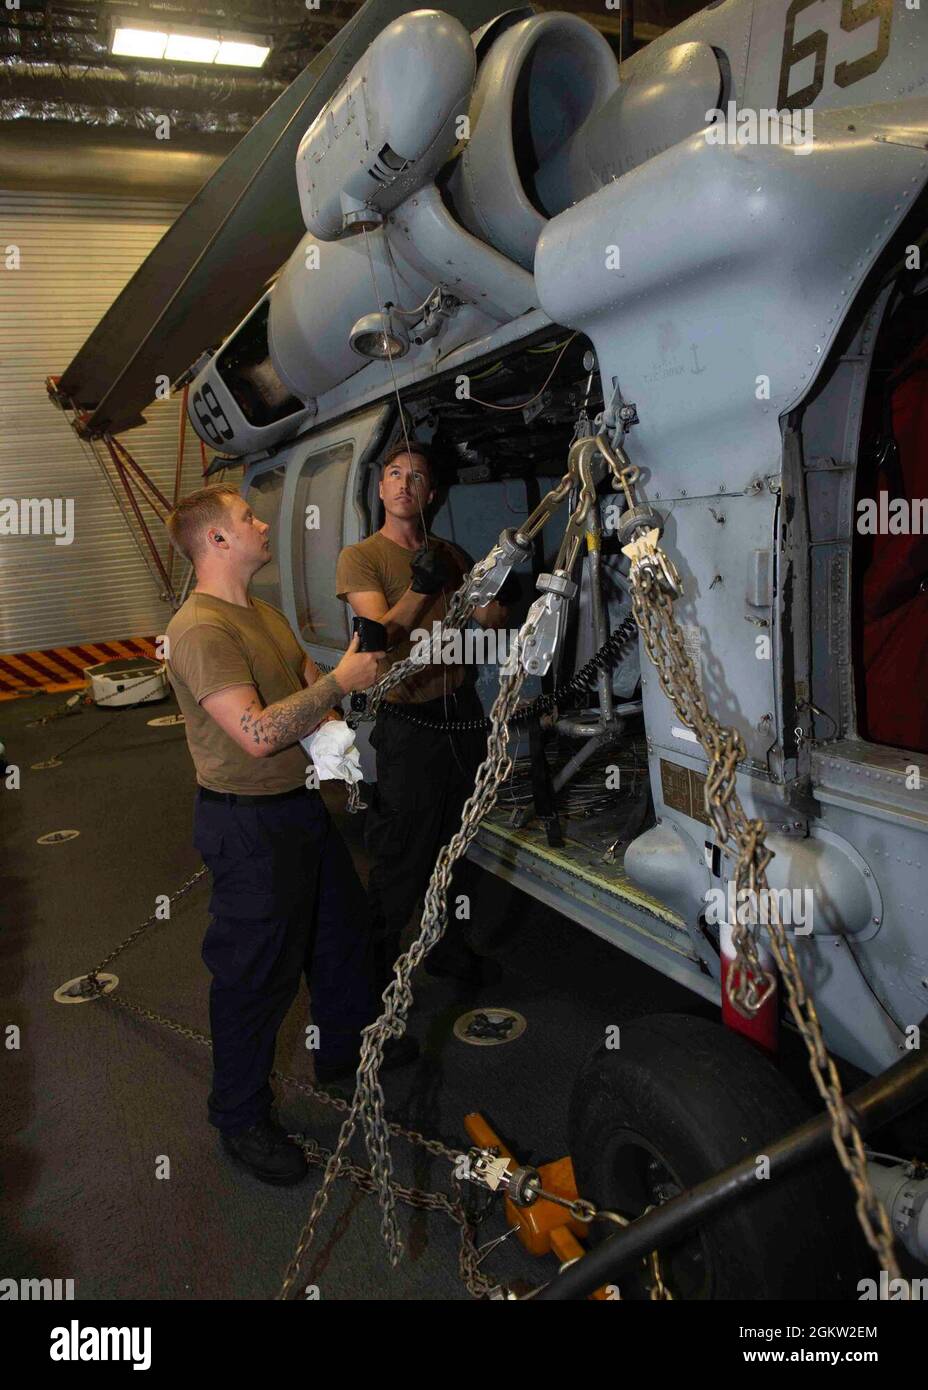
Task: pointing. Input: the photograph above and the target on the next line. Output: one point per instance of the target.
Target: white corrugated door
(75, 253)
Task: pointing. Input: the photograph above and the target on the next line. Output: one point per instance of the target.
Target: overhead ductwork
(58, 67)
(52, 156)
(110, 96)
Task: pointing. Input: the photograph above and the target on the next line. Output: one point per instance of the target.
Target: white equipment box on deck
(128, 681)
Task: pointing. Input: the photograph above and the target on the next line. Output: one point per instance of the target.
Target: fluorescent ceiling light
(129, 42)
(188, 48)
(245, 55)
(185, 43)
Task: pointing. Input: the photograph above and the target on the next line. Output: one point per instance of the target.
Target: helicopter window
(263, 497)
(317, 538)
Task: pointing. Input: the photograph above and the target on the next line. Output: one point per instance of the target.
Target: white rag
(334, 752)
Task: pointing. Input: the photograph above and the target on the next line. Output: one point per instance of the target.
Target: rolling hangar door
(66, 256)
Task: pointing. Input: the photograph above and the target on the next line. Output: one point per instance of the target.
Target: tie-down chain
(477, 1283)
(523, 1185)
(655, 587)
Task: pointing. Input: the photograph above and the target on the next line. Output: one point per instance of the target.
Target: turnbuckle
(548, 613)
(510, 550)
(520, 1183)
(639, 528)
(546, 617)
(650, 566)
(497, 1173)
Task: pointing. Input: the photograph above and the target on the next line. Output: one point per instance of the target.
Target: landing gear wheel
(678, 1101)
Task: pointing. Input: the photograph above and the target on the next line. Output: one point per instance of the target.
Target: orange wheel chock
(544, 1228)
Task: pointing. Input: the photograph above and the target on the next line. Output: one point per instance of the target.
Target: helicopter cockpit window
(247, 370)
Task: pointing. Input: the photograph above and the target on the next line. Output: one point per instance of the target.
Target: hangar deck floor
(93, 1096)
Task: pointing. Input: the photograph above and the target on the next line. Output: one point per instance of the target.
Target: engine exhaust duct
(540, 81)
(552, 121)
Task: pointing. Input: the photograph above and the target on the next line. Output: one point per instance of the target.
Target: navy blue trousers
(286, 902)
(424, 777)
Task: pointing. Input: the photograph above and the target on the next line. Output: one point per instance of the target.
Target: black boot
(455, 959)
(267, 1153)
(397, 1052)
(385, 950)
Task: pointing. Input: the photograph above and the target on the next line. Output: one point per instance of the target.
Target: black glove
(429, 571)
(510, 591)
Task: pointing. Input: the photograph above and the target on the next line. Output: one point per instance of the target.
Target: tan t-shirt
(379, 564)
(215, 644)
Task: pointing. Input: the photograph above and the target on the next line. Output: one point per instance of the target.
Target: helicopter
(709, 257)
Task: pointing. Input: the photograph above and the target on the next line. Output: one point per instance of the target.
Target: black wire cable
(610, 652)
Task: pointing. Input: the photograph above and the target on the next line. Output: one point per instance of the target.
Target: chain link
(476, 1282)
(134, 936)
(367, 1105)
(655, 587)
(460, 608)
(657, 1289)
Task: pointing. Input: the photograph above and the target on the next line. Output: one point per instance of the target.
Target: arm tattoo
(292, 718)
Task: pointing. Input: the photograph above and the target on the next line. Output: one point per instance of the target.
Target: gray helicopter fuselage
(725, 271)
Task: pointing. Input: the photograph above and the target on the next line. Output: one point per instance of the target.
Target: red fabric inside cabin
(895, 583)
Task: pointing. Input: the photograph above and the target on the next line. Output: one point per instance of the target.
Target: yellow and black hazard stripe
(62, 668)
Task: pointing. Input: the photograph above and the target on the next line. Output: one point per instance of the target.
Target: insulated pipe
(881, 1099)
(582, 755)
(157, 89)
(107, 159)
(576, 728)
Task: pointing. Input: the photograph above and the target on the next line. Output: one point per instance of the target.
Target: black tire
(681, 1099)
